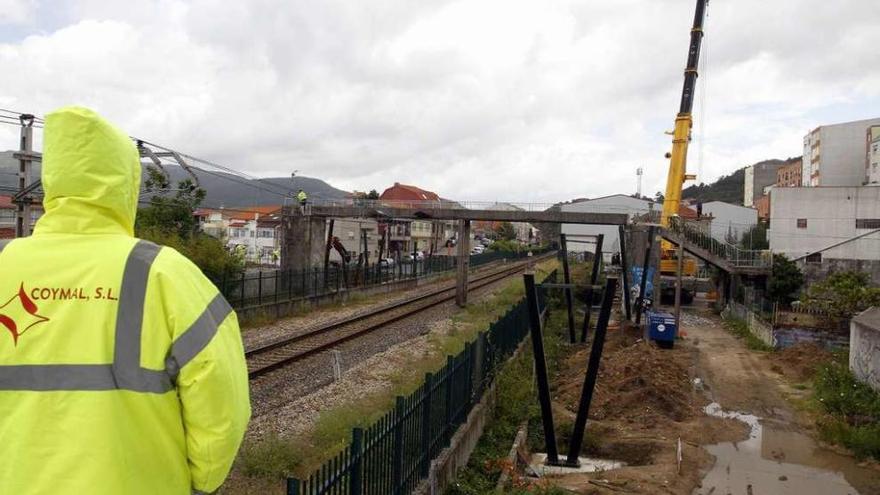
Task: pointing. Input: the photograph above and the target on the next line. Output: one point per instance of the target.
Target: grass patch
(271, 458)
(515, 404)
(851, 409)
(741, 329)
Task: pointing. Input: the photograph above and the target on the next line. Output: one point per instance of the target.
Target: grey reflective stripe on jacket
(125, 373)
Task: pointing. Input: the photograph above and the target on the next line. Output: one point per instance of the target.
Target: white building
(617, 203)
(834, 155)
(824, 220)
(872, 158)
(729, 220)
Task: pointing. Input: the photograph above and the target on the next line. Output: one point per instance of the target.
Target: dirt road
(740, 434)
(780, 455)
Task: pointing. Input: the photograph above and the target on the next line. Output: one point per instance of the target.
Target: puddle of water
(774, 460)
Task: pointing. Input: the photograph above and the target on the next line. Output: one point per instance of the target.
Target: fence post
(241, 303)
(397, 467)
(447, 433)
(425, 465)
(357, 439)
(293, 486)
(315, 278)
(260, 287)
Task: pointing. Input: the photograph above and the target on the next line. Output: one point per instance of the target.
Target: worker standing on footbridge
(121, 366)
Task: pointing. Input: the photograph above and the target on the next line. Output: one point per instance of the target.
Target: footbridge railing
(694, 235)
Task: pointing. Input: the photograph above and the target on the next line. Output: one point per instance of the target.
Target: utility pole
(23, 212)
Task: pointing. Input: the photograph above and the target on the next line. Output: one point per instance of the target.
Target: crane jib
(690, 73)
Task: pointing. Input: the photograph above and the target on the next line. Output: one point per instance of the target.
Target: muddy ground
(647, 398)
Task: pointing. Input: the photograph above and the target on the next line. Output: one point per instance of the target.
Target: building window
(868, 223)
(814, 258)
(801, 223)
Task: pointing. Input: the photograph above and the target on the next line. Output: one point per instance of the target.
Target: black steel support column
(594, 277)
(541, 369)
(580, 424)
(621, 232)
(567, 278)
(643, 283)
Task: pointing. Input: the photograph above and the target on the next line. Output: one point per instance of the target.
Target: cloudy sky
(530, 101)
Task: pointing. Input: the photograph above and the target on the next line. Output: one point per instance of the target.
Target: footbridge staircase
(694, 239)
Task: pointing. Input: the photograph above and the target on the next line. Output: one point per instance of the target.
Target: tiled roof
(404, 192)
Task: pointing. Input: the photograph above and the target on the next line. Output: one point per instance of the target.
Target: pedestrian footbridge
(732, 259)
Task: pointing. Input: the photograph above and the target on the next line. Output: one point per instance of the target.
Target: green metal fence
(250, 290)
(394, 454)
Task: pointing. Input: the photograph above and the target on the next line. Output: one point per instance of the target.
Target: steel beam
(567, 290)
(464, 237)
(541, 369)
(621, 232)
(580, 423)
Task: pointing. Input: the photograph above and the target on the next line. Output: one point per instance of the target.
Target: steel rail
(274, 355)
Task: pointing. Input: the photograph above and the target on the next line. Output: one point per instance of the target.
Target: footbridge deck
(453, 211)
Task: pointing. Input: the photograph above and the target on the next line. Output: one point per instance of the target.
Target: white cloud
(476, 99)
(16, 11)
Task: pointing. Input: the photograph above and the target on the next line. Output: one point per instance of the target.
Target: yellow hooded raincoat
(121, 366)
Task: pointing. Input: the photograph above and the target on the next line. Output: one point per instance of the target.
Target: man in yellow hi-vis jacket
(121, 366)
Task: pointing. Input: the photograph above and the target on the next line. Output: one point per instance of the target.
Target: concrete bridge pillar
(303, 242)
(464, 254)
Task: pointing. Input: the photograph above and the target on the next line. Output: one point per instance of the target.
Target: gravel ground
(289, 400)
(261, 335)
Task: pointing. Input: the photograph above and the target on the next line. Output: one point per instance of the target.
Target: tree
(506, 231)
(755, 238)
(843, 294)
(785, 281)
(373, 194)
(169, 221)
(169, 214)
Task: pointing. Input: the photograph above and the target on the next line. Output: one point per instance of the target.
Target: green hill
(728, 188)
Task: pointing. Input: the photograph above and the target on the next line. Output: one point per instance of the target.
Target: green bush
(852, 409)
(208, 253)
(843, 294)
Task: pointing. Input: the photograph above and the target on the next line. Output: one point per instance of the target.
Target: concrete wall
(782, 337)
(872, 161)
(831, 214)
(864, 354)
(729, 218)
(816, 272)
(618, 203)
(837, 154)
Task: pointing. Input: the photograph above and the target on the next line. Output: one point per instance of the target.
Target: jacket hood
(91, 175)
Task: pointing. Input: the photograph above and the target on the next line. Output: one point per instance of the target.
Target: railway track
(272, 356)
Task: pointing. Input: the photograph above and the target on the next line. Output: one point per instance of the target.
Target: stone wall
(864, 354)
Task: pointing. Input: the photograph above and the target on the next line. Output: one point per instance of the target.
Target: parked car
(420, 255)
(389, 262)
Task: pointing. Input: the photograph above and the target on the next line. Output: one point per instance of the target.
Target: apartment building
(872, 156)
(825, 223)
(789, 175)
(834, 155)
